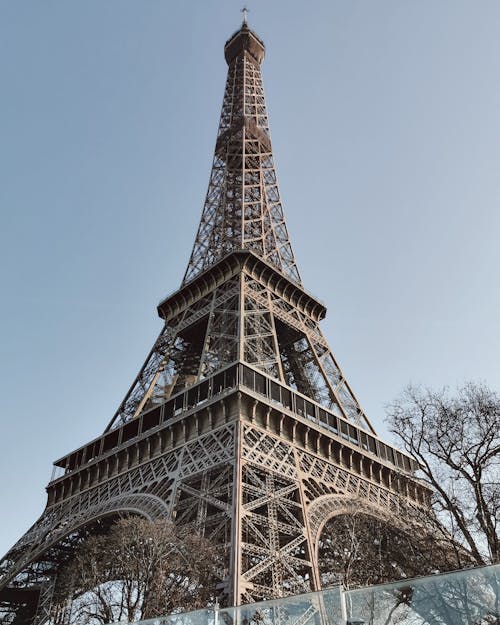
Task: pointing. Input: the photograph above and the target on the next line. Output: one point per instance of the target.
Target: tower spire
(243, 209)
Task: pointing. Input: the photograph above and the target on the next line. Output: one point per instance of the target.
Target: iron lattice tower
(240, 422)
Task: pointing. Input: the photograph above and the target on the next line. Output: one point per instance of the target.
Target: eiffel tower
(241, 422)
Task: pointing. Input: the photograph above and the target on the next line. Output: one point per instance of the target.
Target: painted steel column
(235, 580)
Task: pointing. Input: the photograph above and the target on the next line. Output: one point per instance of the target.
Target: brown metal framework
(240, 422)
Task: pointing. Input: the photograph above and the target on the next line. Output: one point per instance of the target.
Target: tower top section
(243, 209)
(244, 39)
(242, 298)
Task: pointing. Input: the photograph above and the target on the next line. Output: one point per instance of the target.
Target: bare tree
(140, 569)
(456, 440)
(360, 550)
(357, 549)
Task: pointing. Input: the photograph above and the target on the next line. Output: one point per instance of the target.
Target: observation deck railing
(236, 376)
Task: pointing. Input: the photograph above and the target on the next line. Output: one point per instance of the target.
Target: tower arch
(325, 508)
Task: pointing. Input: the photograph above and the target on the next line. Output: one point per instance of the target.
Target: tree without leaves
(140, 569)
(456, 440)
(358, 549)
(457, 443)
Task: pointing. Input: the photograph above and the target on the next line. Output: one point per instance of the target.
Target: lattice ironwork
(240, 422)
(243, 208)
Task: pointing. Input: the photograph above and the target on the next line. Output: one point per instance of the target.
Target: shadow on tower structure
(240, 423)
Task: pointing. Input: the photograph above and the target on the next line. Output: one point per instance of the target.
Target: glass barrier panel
(317, 608)
(198, 617)
(467, 597)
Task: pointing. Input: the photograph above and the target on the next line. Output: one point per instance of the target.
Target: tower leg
(44, 608)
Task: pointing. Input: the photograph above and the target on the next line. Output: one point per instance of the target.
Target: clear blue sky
(385, 119)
